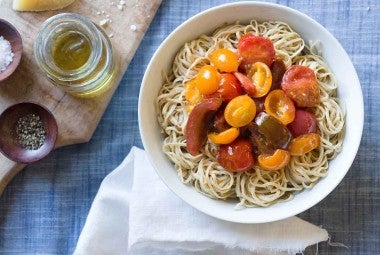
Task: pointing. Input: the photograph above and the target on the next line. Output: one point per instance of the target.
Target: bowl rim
(145, 140)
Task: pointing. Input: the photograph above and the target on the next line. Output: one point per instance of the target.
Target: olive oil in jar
(71, 50)
(76, 55)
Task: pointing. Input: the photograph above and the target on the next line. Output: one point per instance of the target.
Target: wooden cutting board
(77, 118)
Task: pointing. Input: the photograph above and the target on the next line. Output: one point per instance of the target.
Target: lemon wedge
(40, 5)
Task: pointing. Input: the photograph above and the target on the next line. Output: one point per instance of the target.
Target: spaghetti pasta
(256, 187)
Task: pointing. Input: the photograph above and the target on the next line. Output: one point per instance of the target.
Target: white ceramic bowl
(349, 91)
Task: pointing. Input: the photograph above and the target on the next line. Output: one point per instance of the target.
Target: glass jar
(75, 54)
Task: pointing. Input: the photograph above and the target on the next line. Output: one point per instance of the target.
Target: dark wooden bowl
(9, 144)
(9, 32)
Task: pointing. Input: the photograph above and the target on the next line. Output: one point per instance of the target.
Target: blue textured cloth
(44, 208)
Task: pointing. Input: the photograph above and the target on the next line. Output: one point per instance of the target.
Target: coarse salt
(133, 27)
(6, 54)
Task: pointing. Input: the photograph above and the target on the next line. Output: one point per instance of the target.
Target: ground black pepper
(30, 131)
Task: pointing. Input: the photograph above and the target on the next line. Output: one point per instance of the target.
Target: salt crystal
(98, 13)
(120, 7)
(6, 54)
(133, 27)
(104, 22)
(111, 35)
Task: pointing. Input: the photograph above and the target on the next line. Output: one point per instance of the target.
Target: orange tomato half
(277, 161)
(225, 60)
(207, 80)
(304, 144)
(261, 77)
(225, 137)
(240, 111)
(280, 106)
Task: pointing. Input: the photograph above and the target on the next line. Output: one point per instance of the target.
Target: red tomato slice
(246, 83)
(198, 123)
(252, 49)
(300, 84)
(229, 87)
(303, 123)
(237, 156)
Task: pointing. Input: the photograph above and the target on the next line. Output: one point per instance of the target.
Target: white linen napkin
(125, 218)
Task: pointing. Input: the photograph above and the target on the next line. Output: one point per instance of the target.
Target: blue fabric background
(44, 208)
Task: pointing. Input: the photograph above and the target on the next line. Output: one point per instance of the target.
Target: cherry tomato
(225, 60)
(252, 49)
(240, 111)
(303, 123)
(280, 106)
(278, 69)
(199, 122)
(273, 162)
(300, 84)
(192, 95)
(259, 143)
(207, 80)
(229, 87)
(225, 137)
(273, 130)
(304, 144)
(246, 83)
(237, 156)
(261, 76)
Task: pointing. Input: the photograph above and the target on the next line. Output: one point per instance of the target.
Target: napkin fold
(134, 213)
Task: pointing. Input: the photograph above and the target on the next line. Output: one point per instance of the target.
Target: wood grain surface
(77, 118)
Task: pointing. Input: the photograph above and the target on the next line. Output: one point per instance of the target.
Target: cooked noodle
(256, 187)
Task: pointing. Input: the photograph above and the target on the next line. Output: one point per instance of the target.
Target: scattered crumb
(98, 13)
(103, 12)
(133, 27)
(111, 35)
(104, 22)
(107, 16)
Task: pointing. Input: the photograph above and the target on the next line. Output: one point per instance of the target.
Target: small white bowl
(349, 91)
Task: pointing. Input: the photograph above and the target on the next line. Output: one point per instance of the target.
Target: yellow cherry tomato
(207, 80)
(279, 105)
(225, 137)
(225, 60)
(304, 144)
(240, 111)
(277, 161)
(261, 77)
(192, 95)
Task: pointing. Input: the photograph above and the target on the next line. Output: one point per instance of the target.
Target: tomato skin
(220, 124)
(304, 123)
(225, 60)
(236, 156)
(280, 106)
(252, 49)
(229, 87)
(198, 124)
(300, 84)
(278, 160)
(261, 77)
(207, 80)
(240, 111)
(246, 83)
